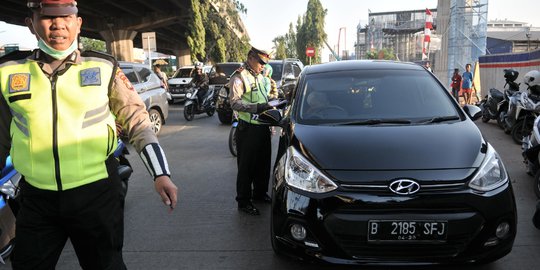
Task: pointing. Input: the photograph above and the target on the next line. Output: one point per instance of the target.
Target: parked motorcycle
(496, 102)
(531, 154)
(521, 117)
(9, 190)
(192, 106)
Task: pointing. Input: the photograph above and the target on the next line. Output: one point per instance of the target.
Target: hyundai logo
(404, 187)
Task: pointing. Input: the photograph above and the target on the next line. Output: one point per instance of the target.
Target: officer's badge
(19, 82)
(90, 76)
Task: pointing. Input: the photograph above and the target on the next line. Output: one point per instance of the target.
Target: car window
(287, 68)
(277, 70)
(183, 73)
(130, 74)
(144, 74)
(296, 70)
(335, 97)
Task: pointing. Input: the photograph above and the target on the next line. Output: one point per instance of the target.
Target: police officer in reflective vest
(249, 97)
(58, 112)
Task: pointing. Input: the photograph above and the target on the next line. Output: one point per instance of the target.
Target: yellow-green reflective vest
(62, 129)
(256, 91)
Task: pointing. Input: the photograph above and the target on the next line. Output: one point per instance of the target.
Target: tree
(196, 32)
(93, 44)
(311, 31)
(384, 53)
(290, 43)
(280, 47)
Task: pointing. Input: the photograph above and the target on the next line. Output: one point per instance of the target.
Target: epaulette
(106, 56)
(15, 55)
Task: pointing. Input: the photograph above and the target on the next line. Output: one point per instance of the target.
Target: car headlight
(188, 95)
(491, 174)
(301, 174)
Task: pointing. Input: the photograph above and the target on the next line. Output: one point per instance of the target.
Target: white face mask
(56, 54)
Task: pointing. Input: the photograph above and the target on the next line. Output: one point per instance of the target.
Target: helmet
(510, 75)
(262, 55)
(532, 80)
(53, 7)
(198, 65)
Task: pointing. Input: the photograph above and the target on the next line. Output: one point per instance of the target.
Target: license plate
(407, 230)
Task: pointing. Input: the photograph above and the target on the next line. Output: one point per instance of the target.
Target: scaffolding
(467, 33)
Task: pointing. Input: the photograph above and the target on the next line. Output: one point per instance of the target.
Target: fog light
(502, 230)
(298, 232)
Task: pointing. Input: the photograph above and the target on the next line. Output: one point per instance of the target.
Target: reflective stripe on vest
(259, 95)
(62, 128)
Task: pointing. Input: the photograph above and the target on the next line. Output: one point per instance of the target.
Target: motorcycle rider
(201, 81)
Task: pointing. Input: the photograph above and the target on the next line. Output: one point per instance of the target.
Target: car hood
(180, 80)
(439, 146)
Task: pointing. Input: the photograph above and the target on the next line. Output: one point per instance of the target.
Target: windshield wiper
(439, 119)
(375, 122)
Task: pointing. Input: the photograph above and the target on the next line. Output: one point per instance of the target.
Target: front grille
(425, 187)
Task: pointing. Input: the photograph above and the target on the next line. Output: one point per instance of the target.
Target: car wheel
(156, 120)
(537, 184)
(519, 130)
(225, 117)
(188, 112)
(232, 141)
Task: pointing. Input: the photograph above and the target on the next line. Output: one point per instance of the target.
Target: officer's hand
(261, 107)
(167, 190)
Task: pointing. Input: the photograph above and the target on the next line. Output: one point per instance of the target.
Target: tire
(485, 116)
(537, 184)
(188, 112)
(156, 120)
(225, 117)
(500, 120)
(211, 112)
(519, 130)
(232, 141)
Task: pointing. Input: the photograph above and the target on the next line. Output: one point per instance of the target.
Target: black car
(377, 163)
(219, 76)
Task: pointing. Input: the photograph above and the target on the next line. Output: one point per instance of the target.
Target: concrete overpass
(121, 22)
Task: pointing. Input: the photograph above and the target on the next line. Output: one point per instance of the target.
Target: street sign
(149, 41)
(310, 51)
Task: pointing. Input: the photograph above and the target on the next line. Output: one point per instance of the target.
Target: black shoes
(249, 209)
(263, 199)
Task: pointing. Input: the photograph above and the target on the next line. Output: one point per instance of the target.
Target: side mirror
(474, 112)
(270, 117)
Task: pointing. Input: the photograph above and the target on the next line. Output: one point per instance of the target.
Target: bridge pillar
(184, 57)
(119, 43)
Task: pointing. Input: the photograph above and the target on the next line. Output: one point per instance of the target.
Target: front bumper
(337, 226)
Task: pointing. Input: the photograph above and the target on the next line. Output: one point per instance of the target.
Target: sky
(266, 20)
(348, 14)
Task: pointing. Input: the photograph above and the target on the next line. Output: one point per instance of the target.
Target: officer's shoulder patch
(90, 76)
(120, 75)
(19, 82)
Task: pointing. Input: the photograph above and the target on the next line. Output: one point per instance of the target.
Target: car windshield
(373, 97)
(277, 70)
(183, 73)
(228, 69)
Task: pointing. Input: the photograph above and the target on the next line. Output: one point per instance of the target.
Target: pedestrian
(162, 76)
(249, 97)
(428, 66)
(59, 108)
(456, 84)
(467, 84)
(201, 81)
